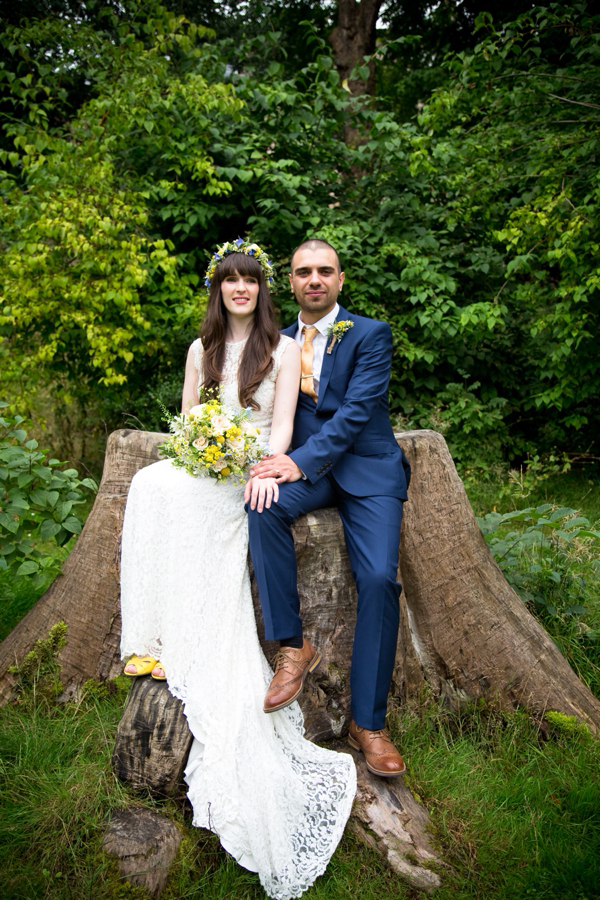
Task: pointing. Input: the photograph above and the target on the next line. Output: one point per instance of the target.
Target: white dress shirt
(319, 340)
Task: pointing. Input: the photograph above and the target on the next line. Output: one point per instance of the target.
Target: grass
(515, 814)
(579, 488)
(16, 599)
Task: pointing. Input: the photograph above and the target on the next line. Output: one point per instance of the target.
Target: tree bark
(463, 630)
(387, 818)
(353, 38)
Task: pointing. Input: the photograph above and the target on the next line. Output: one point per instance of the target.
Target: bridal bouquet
(213, 439)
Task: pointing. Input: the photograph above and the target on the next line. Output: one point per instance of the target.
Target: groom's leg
(372, 528)
(274, 556)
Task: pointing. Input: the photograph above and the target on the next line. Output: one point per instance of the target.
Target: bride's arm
(286, 399)
(261, 492)
(190, 385)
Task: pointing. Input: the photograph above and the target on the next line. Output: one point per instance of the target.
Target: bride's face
(240, 294)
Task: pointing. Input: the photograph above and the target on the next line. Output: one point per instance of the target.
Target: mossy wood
(463, 630)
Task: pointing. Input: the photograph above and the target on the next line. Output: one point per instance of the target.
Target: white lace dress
(278, 802)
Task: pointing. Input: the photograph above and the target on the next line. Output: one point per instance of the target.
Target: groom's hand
(280, 467)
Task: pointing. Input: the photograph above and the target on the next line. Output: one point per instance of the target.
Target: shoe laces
(283, 657)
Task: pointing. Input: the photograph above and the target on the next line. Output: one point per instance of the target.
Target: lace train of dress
(278, 802)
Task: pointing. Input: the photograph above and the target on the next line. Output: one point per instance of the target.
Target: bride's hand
(261, 492)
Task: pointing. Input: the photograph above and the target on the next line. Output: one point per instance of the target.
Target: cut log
(153, 738)
(387, 818)
(145, 844)
(463, 630)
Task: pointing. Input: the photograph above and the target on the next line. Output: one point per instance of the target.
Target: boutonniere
(337, 331)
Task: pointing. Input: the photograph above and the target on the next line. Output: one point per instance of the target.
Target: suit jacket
(348, 431)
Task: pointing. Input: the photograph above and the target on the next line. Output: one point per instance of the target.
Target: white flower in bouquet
(220, 422)
(249, 429)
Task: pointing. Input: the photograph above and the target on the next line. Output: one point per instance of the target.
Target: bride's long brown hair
(257, 361)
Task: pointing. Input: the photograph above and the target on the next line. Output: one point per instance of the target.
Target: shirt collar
(323, 324)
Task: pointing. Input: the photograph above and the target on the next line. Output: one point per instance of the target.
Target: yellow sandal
(143, 666)
(162, 677)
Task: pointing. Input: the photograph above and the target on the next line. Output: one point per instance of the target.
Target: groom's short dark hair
(315, 244)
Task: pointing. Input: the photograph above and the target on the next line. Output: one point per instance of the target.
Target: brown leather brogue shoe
(381, 756)
(291, 668)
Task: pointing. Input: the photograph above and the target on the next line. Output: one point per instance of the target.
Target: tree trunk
(353, 38)
(462, 629)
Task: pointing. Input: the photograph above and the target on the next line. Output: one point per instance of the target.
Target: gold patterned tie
(307, 385)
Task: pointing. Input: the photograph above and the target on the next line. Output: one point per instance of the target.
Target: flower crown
(239, 246)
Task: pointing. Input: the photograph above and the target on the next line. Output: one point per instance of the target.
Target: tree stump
(145, 845)
(472, 634)
(463, 630)
(153, 738)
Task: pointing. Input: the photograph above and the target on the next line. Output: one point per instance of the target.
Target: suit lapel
(329, 359)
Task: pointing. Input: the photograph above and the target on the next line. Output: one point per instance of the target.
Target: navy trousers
(372, 530)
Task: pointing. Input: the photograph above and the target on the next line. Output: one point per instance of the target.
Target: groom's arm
(368, 384)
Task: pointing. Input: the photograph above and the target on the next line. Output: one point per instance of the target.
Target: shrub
(37, 504)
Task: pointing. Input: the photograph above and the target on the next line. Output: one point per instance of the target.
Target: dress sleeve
(198, 352)
(284, 343)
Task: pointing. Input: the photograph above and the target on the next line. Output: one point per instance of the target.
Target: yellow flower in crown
(240, 245)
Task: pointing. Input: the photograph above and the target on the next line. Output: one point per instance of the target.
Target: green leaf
(63, 510)
(27, 568)
(49, 529)
(9, 523)
(72, 524)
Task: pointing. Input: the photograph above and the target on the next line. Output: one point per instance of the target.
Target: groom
(343, 454)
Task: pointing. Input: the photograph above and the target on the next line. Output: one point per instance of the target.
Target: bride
(278, 802)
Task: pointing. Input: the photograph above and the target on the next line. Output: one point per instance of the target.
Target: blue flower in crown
(240, 245)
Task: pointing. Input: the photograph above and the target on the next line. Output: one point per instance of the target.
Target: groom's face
(316, 282)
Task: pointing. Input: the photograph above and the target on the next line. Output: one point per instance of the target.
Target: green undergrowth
(515, 804)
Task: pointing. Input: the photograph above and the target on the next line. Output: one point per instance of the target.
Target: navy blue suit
(345, 446)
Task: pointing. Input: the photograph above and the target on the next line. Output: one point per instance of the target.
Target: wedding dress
(278, 802)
